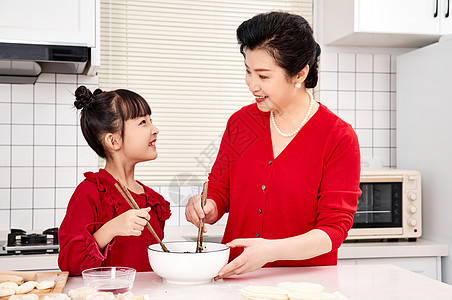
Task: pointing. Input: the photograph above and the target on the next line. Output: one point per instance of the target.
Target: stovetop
(20, 242)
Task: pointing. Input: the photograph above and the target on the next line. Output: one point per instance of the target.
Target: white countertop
(355, 282)
(419, 248)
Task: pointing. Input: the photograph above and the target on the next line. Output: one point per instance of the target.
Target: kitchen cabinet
(422, 256)
(30, 262)
(384, 23)
(427, 266)
(49, 22)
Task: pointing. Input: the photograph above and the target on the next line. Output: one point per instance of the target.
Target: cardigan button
(260, 210)
(264, 187)
(258, 235)
(270, 162)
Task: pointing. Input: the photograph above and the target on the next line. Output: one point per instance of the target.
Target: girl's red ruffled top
(95, 202)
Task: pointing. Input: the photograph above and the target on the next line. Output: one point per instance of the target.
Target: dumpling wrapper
(263, 292)
(316, 296)
(295, 287)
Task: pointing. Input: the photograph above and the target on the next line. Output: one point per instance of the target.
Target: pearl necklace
(272, 118)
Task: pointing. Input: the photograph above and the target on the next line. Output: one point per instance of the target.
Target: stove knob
(412, 209)
(412, 196)
(412, 222)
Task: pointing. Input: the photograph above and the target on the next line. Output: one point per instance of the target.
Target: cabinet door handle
(448, 6)
(436, 11)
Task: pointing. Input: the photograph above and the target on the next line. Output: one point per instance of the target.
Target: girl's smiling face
(267, 81)
(139, 142)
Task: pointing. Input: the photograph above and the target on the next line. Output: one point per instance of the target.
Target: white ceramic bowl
(180, 267)
(109, 279)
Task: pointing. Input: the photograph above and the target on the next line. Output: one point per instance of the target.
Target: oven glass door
(379, 206)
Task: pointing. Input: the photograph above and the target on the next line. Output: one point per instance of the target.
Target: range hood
(22, 63)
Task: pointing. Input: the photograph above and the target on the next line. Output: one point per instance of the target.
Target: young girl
(100, 228)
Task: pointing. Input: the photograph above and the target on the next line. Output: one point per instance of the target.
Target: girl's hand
(194, 212)
(132, 222)
(257, 253)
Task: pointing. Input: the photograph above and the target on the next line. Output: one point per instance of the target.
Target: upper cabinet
(385, 23)
(49, 22)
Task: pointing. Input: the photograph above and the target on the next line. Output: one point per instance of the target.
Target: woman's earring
(298, 85)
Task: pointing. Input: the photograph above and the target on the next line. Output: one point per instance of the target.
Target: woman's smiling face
(267, 81)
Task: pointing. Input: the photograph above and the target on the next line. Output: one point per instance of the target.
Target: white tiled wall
(42, 153)
(360, 88)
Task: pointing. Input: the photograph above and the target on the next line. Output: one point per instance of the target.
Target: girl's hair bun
(83, 97)
(97, 92)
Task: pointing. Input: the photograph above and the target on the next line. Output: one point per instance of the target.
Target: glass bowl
(109, 279)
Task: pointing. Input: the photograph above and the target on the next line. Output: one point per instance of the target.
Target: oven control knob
(412, 209)
(412, 222)
(412, 196)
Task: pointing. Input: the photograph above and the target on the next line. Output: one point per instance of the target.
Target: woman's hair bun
(318, 50)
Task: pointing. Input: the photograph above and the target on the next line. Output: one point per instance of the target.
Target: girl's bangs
(133, 105)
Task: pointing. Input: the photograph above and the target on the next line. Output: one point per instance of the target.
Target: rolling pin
(27, 276)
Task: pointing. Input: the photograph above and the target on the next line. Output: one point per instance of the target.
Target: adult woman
(288, 169)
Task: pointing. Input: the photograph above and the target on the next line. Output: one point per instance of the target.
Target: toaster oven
(390, 206)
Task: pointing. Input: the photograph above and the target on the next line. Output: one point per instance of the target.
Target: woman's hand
(194, 212)
(257, 253)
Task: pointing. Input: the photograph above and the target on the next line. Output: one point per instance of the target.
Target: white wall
(359, 85)
(425, 136)
(42, 153)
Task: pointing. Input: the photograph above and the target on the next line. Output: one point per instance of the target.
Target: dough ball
(56, 296)
(263, 292)
(100, 296)
(44, 285)
(6, 292)
(301, 286)
(26, 287)
(24, 297)
(81, 293)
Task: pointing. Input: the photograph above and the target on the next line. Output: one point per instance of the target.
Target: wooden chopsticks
(125, 193)
(201, 221)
